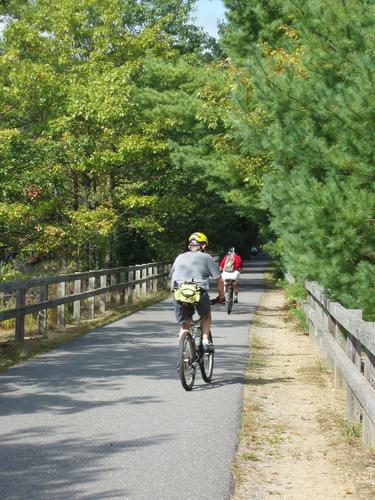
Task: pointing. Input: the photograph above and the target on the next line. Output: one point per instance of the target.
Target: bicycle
(229, 291)
(191, 354)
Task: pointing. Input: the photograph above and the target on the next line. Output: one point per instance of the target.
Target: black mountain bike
(229, 291)
(191, 355)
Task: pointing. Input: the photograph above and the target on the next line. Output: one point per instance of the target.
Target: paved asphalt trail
(105, 417)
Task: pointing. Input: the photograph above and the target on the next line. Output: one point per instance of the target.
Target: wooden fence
(347, 344)
(116, 286)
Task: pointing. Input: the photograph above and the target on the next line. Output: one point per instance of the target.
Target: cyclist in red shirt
(231, 267)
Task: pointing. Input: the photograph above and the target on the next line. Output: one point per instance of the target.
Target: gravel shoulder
(294, 441)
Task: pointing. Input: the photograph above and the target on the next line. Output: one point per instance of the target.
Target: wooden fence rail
(347, 343)
(122, 283)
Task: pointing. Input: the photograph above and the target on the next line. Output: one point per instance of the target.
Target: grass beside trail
(12, 353)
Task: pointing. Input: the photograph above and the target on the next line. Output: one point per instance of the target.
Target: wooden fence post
(20, 318)
(77, 303)
(91, 300)
(130, 287)
(102, 300)
(314, 333)
(324, 319)
(338, 379)
(144, 284)
(167, 279)
(122, 288)
(155, 280)
(148, 282)
(353, 351)
(43, 315)
(61, 291)
(159, 283)
(137, 287)
(165, 276)
(153, 276)
(310, 311)
(368, 427)
(113, 291)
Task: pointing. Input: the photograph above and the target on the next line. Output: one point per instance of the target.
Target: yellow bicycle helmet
(199, 238)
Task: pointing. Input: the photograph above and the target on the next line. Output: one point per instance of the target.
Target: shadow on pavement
(64, 382)
(57, 382)
(141, 347)
(60, 465)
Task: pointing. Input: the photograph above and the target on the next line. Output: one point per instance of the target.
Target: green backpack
(188, 293)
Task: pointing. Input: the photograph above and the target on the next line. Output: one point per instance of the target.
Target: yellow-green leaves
(91, 224)
(105, 138)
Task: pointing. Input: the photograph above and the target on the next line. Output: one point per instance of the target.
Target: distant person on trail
(253, 252)
(196, 266)
(231, 266)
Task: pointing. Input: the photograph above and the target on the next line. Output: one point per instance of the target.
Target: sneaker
(217, 301)
(207, 346)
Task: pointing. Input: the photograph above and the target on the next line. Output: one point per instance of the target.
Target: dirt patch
(295, 442)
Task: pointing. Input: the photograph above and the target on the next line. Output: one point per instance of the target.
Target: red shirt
(238, 265)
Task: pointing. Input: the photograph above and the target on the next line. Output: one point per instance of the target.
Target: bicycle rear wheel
(206, 364)
(229, 299)
(185, 361)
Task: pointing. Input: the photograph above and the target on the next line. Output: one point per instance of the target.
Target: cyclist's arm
(220, 288)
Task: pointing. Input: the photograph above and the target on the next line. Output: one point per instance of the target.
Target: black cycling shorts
(185, 311)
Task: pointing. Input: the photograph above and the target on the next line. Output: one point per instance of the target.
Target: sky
(208, 13)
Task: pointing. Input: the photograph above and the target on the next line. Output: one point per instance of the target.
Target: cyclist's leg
(206, 326)
(236, 285)
(236, 278)
(184, 326)
(227, 276)
(184, 315)
(204, 310)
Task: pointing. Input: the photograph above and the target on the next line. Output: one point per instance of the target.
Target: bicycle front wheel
(206, 365)
(185, 361)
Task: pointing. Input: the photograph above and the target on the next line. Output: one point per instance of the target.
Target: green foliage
(296, 295)
(8, 273)
(105, 158)
(295, 292)
(350, 431)
(248, 23)
(307, 109)
(124, 129)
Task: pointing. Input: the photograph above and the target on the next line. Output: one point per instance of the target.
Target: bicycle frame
(229, 290)
(191, 354)
(195, 330)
